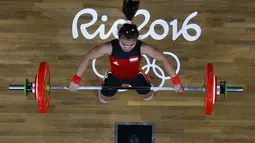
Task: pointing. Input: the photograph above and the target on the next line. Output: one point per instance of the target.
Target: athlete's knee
(110, 81)
(142, 92)
(145, 90)
(108, 93)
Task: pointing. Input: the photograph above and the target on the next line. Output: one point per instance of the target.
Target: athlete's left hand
(178, 88)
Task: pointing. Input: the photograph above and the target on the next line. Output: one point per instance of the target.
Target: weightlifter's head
(129, 33)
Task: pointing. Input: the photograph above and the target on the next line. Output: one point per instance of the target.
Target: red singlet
(125, 65)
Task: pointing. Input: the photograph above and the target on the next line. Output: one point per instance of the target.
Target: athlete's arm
(159, 56)
(94, 53)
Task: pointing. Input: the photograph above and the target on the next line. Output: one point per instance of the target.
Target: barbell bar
(41, 88)
(21, 87)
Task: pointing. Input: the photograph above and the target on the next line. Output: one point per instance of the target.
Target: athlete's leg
(141, 81)
(107, 95)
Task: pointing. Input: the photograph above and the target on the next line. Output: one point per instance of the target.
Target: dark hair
(129, 31)
(129, 8)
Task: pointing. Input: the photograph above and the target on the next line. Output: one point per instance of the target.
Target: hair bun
(130, 8)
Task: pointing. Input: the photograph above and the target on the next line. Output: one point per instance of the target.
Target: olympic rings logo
(147, 67)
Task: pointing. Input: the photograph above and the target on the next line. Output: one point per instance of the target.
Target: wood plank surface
(32, 31)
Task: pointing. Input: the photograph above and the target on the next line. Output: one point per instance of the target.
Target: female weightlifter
(125, 55)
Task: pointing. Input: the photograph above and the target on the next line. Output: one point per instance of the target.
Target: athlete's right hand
(73, 87)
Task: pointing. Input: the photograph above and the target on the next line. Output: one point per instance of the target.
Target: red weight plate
(209, 89)
(43, 79)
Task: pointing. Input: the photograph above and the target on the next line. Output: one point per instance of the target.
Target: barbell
(41, 88)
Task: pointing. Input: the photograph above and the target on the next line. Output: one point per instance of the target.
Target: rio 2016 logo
(114, 30)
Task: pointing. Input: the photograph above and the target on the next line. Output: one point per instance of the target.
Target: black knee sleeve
(111, 81)
(145, 91)
(141, 81)
(108, 93)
